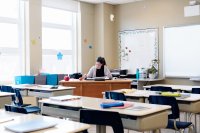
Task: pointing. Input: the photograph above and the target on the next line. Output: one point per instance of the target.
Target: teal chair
(52, 79)
(24, 79)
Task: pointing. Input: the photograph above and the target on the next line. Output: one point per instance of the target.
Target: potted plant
(152, 71)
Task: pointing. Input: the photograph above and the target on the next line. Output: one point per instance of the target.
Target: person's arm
(107, 72)
(91, 72)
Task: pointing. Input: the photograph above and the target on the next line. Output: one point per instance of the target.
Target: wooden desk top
(63, 126)
(92, 81)
(5, 94)
(175, 87)
(42, 87)
(94, 103)
(146, 94)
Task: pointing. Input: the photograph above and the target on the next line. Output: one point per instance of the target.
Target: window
(11, 63)
(58, 37)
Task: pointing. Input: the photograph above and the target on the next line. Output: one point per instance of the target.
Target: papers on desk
(138, 108)
(127, 91)
(65, 98)
(29, 126)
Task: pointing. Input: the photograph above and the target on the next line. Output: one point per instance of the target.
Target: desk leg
(100, 129)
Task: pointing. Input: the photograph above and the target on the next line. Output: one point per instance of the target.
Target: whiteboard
(138, 48)
(182, 51)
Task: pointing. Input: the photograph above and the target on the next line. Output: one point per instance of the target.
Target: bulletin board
(137, 48)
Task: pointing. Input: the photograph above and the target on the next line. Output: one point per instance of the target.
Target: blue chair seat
(179, 124)
(32, 109)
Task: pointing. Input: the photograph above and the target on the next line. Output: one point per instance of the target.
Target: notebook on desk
(29, 126)
(98, 78)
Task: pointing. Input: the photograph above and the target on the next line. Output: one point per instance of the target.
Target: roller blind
(69, 5)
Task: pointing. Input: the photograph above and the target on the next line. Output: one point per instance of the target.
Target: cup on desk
(114, 78)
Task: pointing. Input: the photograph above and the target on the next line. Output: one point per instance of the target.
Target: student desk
(190, 104)
(43, 91)
(143, 81)
(93, 88)
(139, 120)
(5, 98)
(175, 87)
(63, 126)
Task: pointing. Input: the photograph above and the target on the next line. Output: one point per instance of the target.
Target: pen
(6, 120)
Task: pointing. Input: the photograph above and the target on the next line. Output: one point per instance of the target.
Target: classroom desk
(143, 82)
(63, 126)
(5, 98)
(175, 87)
(93, 88)
(43, 91)
(139, 120)
(190, 104)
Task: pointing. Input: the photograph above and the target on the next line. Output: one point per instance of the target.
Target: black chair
(102, 118)
(115, 95)
(172, 123)
(161, 88)
(17, 109)
(195, 90)
(18, 101)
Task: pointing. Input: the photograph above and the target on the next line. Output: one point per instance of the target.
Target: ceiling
(113, 2)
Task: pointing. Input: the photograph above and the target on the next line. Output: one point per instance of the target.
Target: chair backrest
(18, 100)
(102, 118)
(115, 95)
(52, 79)
(171, 101)
(61, 77)
(161, 88)
(196, 90)
(24, 79)
(41, 79)
(13, 108)
(8, 89)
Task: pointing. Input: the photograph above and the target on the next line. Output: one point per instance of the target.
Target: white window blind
(182, 51)
(11, 39)
(58, 36)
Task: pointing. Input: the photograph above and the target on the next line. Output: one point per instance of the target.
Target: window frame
(73, 29)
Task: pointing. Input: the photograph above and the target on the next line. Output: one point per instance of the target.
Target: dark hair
(101, 60)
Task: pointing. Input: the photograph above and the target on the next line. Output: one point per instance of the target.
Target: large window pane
(52, 65)
(9, 66)
(56, 16)
(8, 35)
(9, 8)
(56, 39)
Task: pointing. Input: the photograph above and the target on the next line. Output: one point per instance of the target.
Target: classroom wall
(104, 34)
(97, 30)
(87, 36)
(155, 14)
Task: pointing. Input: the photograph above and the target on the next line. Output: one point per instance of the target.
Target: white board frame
(127, 58)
